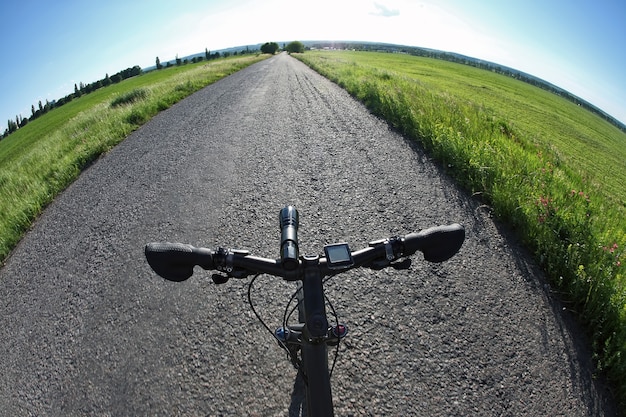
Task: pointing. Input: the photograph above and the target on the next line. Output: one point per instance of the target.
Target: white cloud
(382, 10)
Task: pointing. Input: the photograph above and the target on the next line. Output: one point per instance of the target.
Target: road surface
(89, 329)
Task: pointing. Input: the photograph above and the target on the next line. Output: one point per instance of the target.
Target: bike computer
(338, 256)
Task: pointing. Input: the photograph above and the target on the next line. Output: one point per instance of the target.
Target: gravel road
(89, 329)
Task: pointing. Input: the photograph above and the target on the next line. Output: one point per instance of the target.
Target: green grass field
(41, 159)
(552, 170)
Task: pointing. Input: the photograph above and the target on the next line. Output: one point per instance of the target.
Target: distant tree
(32, 109)
(158, 63)
(76, 91)
(11, 128)
(269, 48)
(207, 54)
(296, 47)
(64, 100)
(178, 60)
(106, 80)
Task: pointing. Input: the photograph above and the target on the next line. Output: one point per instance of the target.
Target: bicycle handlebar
(175, 261)
(438, 244)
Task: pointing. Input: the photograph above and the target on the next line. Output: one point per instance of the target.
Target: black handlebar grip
(438, 243)
(175, 261)
(288, 220)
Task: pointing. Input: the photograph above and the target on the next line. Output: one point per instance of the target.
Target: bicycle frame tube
(318, 393)
(314, 348)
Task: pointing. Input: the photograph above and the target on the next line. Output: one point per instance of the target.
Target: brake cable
(258, 316)
(294, 359)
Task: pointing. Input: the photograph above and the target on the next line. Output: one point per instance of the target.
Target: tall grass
(44, 157)
(505, 141)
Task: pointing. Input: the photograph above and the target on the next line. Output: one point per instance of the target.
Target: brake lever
(222, 260)
(236, 273)
(389, 254)
(219, 279)
(384, 263)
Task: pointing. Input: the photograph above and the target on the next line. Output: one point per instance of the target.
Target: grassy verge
(44, 157)
(552, 170)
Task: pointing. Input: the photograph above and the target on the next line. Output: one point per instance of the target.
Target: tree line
(80, 89)
(198, 58)
(521, 76)
(291, 47)
(208, 56)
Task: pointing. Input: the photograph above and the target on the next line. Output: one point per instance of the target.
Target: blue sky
(50, 46)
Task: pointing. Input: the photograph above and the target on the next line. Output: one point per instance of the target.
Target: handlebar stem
(316, 329)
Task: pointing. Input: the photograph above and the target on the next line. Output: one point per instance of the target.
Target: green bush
(295, 47)
(130, 97)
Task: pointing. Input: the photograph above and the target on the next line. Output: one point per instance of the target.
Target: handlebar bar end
(175, 261)
(438, 243)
